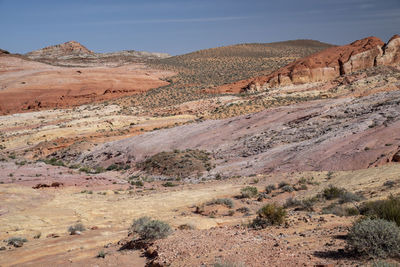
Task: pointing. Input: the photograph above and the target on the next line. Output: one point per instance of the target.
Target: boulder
(391, 52)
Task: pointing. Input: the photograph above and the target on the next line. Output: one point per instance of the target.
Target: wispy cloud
(172, 20)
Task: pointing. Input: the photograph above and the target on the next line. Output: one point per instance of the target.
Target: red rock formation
(391, 52)
(326, 65)
(65, 49)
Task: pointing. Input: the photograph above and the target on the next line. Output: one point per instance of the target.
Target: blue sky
(181, 26)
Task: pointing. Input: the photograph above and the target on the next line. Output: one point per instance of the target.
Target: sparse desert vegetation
(304, 174)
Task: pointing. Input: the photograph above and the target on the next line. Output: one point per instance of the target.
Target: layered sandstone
(327, 65)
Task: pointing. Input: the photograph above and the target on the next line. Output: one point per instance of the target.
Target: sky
(182, 26)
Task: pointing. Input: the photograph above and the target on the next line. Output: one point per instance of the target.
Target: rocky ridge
(74, 54)
(2, 51)
(60, 50)
(327, 65)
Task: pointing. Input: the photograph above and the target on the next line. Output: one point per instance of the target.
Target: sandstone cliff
(327, 64)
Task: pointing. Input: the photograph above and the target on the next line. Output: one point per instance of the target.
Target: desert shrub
(169, 184)
(347, 196)
(149, 229)
(186, 226)
(269, 188)
(228, 264)
(287, 188)
(244, 210)
(292, 202)
(282, 184)
(101, 254)
(388, 209)
(352, 211)
(375, 238)
(270, 214)
(384, 264)
(249, 192)
(177, 163)
(99, 170)
(332, 192)
(389, 183)
(16, 241)
(138, 183)
(112, 167)
(263, 195)
(79, 227)
(305, 204)
(54, 162)
(340, 210)
(221, 201)
(303, 187)
(85, 169)
(138, 224)
(230, 213)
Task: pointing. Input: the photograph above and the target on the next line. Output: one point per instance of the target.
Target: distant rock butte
(65, 49)
(4, 52)
(326, 65)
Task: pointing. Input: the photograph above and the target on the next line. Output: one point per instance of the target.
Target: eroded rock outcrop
(391, 52)
(330, 64)
(60, 50)
(5, 52)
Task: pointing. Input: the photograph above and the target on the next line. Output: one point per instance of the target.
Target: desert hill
(27, 85)
(60, 50)
(216, 66)
(74, 54)
(199, 73)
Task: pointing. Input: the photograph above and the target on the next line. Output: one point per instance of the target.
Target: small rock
(18, 244)
(2, 248)
(52, 236)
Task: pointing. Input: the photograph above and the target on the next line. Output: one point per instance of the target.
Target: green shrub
(244, 210)
(347, 196)
(113, 167)
(221, 201)
(332, 192)
(169, 184)
(137, 183)
(270, 214)
(388, 209)
(384, 264)
(16, 241)
(149, 229)
(340, 210)
(269, 188)
(101, 254)
(79, 227)
(249, 192)
(389, 183)
(85, 169)
(306, 204)
(375, 238)
(282, 184)
(287, 188)
(54, 162)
